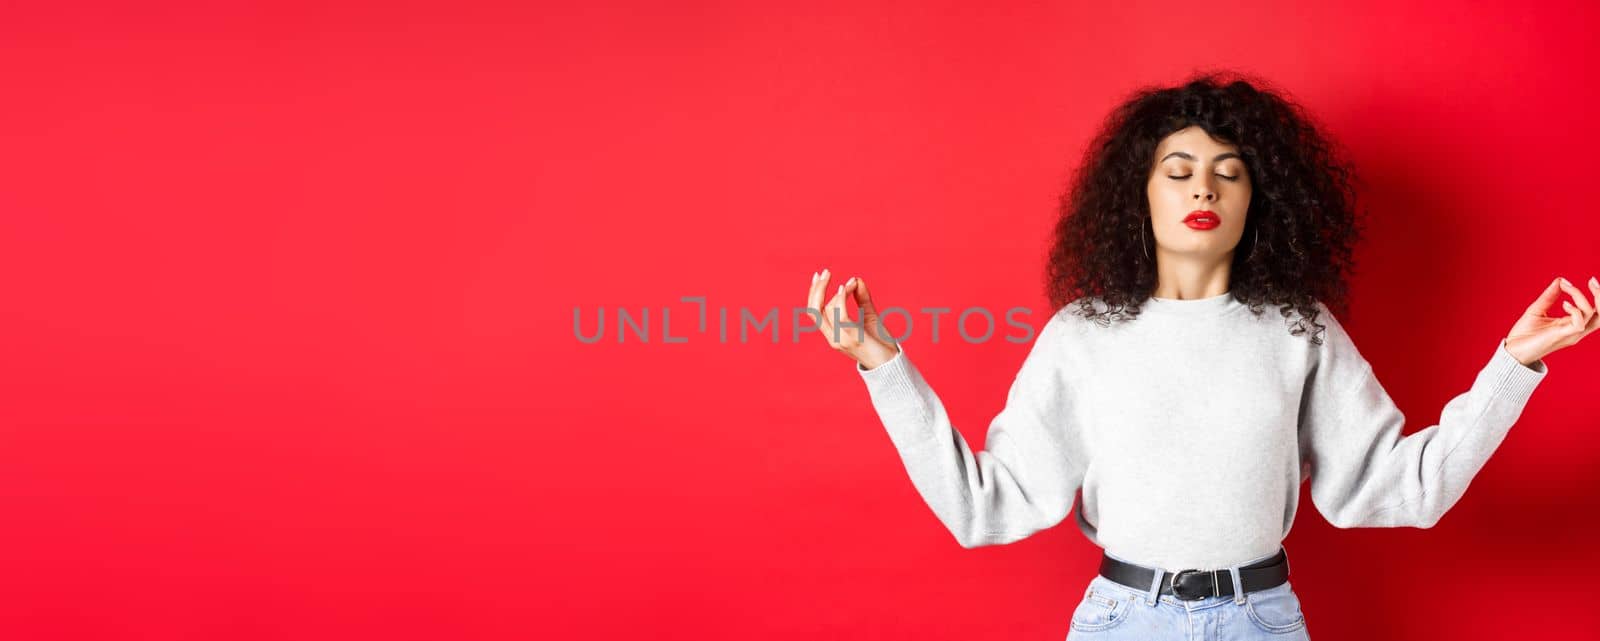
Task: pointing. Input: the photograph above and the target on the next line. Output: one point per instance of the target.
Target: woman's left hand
(1536, 335)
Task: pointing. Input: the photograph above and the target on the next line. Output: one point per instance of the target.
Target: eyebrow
(1187, 156)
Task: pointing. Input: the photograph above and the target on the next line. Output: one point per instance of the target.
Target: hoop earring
(1141, 240)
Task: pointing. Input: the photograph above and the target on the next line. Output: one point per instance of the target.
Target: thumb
(1546, 298)
(869, 313)
(864, 298)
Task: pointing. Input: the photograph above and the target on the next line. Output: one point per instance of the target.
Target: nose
(1205, 194)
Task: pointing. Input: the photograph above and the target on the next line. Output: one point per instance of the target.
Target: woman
(1182, 415)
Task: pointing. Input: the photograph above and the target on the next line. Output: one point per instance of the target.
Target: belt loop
(1155, 587)
(1238, 585)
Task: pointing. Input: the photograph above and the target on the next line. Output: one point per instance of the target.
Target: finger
(814, 295)
(869, 312)
(819, 286)
(1578, 299)
(848, 293)
(864, 299)
(1547, 298)
(849, 335)
(837, 316)
(1574, 318)
(1594, 288)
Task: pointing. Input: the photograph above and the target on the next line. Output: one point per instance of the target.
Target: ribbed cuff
(891, 378)
(902, 399)
(1513, 381)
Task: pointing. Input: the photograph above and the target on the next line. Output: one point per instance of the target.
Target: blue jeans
(1111, 611)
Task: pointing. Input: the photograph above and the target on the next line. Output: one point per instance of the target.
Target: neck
(1182, 277)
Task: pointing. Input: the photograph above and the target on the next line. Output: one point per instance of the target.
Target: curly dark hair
(1302, 204)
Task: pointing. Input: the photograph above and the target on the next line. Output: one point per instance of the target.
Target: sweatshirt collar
(1192, 306)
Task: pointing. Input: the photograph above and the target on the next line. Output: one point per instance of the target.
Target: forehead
(1194, 141)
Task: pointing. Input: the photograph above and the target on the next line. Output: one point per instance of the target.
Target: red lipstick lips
(1201, 219)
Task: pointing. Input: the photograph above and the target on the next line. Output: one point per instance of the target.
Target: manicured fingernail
(840, 290)
(1593, 282)
(1566, 282)
(813, 277)
(852, 281)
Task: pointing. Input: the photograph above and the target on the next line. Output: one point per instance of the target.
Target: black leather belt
(1193, 585)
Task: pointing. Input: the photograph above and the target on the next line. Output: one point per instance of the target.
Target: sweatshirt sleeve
(1025, 478)
(1364, 473)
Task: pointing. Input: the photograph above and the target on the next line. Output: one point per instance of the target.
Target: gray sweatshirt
(1186, 433)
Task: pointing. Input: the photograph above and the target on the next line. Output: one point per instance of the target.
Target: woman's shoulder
(1092, 312)
(1082, 307)
(1081, 321)
(1077, 312)
(1319, 331)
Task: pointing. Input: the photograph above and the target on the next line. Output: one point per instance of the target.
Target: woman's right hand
(870, 348)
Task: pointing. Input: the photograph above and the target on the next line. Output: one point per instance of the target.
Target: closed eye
(1224, 177)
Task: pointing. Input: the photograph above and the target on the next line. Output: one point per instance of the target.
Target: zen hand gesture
(870, 348)
(1536, 335)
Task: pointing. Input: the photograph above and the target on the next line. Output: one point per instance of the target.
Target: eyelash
(1229, 178)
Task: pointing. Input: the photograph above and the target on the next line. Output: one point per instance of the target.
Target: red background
(290, 294)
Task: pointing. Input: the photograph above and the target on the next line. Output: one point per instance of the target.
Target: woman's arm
(1025, 479)
(1364, 473)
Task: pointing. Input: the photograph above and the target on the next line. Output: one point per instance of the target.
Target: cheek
(1242, 195)
(1165, 193)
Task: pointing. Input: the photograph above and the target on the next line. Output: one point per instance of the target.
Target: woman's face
(1194, 172)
